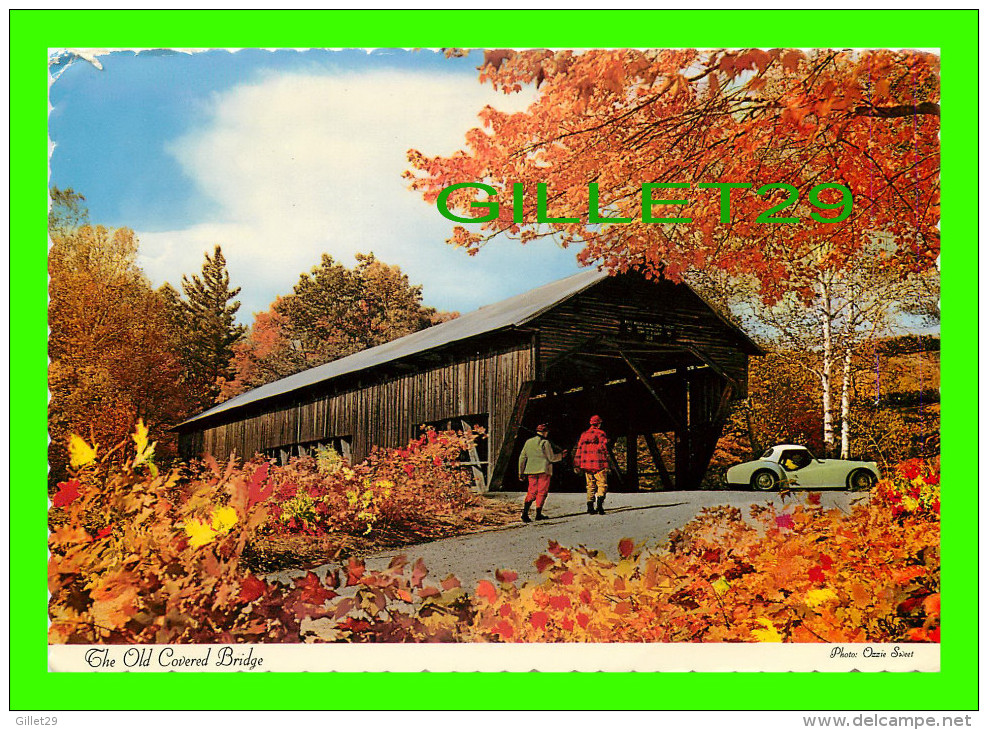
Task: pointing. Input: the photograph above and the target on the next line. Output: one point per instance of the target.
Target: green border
(33, 32)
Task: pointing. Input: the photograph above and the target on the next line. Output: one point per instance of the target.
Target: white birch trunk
(825, 370)
(845, 406)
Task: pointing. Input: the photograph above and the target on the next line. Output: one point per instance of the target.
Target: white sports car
(794, 466)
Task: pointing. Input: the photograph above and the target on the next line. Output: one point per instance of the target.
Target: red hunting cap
(595, 420)
(542, 427)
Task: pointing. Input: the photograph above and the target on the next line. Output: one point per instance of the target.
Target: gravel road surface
(646, 517)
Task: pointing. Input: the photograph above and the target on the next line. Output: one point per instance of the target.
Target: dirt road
(642, 517)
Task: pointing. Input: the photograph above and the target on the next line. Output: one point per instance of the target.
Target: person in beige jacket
(535, 464)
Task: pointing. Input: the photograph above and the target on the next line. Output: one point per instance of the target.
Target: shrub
(140, 556)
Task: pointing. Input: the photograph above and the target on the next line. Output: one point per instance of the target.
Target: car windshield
(793, 459)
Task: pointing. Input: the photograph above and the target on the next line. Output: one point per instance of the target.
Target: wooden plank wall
(385, 414)
(598, 312)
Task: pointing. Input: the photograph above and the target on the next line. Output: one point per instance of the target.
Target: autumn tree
(266, 353)
(206, 321)
(850, 307)
(109, 349)
(720, 136)
(332, 312)
(67, 211)
(606, 123)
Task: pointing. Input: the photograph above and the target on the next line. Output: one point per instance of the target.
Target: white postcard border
(762, 657)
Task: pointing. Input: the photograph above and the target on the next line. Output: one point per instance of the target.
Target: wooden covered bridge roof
(514, 312)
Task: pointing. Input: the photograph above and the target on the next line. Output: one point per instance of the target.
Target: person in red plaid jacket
(591, 459)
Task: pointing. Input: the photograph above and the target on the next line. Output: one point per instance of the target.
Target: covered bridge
(656, 362)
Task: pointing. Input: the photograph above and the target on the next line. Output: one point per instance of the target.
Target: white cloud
(300, 164)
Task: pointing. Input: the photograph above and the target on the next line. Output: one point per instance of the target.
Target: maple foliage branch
(600, 119)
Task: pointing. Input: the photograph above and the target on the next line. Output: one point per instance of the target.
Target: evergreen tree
(208, 328)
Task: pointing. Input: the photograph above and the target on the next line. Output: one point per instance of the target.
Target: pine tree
(209, 330)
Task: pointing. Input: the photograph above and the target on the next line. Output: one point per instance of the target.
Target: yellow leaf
(769, 633)
(910, 504)
(625, 568)
(199, 532)
(80, 453)
(144, 450)
(140, 436)
(818, 596)
(224, 518)
(721, 586)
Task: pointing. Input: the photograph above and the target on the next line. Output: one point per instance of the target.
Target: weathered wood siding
(599, 311)
(387, 413)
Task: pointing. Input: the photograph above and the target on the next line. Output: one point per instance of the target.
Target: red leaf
(486, 589)
(910, 469)
(313, 590)
(568, 623)
(790, 60)
(909, 573)
(543, 562)
(909, 605)
(450, 583)
(354, 624)
(419, 571)
(559, 551)
(560, 602)
(256, 491)
(931, 604)
(585, 596)
(428, 592)
(566, 578)
(539, 619)
(252, 588)
(816, 573)
(826, 562)
(105, 532)
(813, 498)
(68, 492)
(504, 629)
(784, 521)
(625, 547)
(354, 572)
(583, 620)
(505, 609)
(505, 576)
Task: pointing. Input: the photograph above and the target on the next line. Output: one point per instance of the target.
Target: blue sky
(279, 157)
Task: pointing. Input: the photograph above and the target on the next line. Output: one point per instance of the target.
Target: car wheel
(764, 481)
(860, 480)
